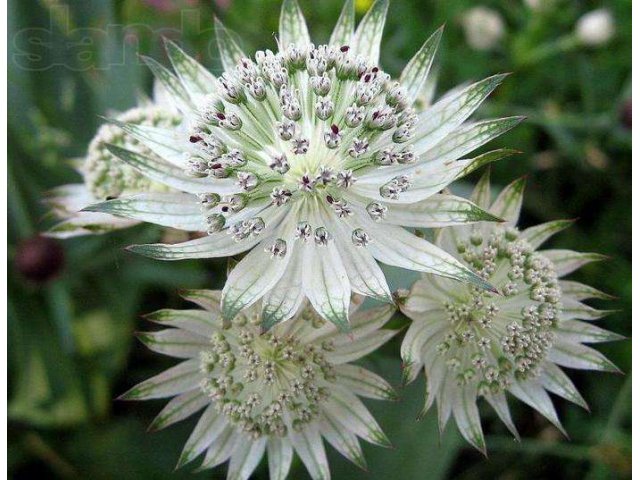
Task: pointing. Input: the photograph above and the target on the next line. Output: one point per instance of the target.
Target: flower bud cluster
(105, 175)
(264, 382)
(291, 124)
(494, 339)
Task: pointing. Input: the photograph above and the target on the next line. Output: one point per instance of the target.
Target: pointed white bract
(474, 344)
(105, 176)
(299, 154)
(278, 392)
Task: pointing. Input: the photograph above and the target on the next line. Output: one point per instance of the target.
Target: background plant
(72, 349)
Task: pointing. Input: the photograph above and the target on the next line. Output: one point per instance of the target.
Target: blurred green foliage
(72, 348)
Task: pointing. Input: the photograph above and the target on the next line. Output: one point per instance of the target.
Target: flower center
(495, 339)
(297, 122)
(265, 383)
(107, 176)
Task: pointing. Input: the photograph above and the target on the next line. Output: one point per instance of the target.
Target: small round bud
(39, 259)
(483, 28)
(596, 27)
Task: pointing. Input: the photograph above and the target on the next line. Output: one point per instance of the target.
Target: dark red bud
(39, 259)
(625, 114)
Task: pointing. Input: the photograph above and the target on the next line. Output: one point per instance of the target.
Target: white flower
(596, 27)
(474, 344)
(276, 392)
(105, 176)
(539, 5)
(483, 28)
(324, 153)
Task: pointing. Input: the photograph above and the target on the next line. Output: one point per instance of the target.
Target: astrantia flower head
(475, 344)
(105, 176)
(312, 159)
(279, 392)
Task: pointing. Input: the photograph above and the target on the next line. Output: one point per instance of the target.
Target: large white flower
(279, 392)
(313, 160)
(475, 344)
(105, 176)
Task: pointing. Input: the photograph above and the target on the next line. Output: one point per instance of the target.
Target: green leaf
(349, 411)
(556, 381)
(415, 74)
(225, 443)
(47, 387)
(539, 234)
(172, 85)
(499, 403)
(573, 355)
(195, 79)
(395, 246)
(179, 408)
(439, 120)
(509, 202)
(360, 346)
(580, 291)
(467, 418)
(581, 332)
(280, 454)
(181, 378)
(87, 224)
(481, 194)
(420, 332)
(168, 144)
(309, 447)
(293, 27)
(343, 441)
(531, 393)
(573, 309)
(210, 427)
(364, 383)
(366, 321)
(408, 435)
(208, 299)
(283, 301)
(212, 246)
(365, 275)
(343, 31)
(496, 128)
(326, 284)
(175, 342)
(246, 458)
(199, 322)
(568, 261)
(160, 171)
(174, 210)
(254, 276)
(230, 51)
(37, 401)
(368, 36)
(437, 211)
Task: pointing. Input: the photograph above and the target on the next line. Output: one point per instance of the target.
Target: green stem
(537, 447)
(18, 208)
(619, 409)
(545, 51)
(36, 445)
(60, 305)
